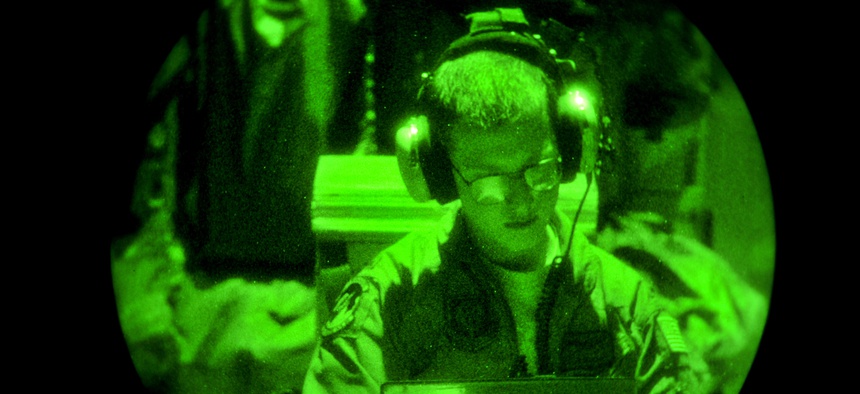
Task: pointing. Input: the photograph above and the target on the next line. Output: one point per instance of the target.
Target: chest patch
(344, 311)
(472, 323)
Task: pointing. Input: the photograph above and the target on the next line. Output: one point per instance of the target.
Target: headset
(424, 164)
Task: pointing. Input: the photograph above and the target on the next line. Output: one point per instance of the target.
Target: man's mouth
(520, 225)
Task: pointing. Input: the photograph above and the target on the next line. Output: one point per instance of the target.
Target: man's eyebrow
(481, 172)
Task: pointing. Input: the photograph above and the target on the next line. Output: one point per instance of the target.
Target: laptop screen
(511, 386)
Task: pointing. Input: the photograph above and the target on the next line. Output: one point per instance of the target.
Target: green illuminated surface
(683, 195)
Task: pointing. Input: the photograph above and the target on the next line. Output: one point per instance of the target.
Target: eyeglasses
(489, 189)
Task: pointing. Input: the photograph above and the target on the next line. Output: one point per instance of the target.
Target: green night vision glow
(667, 198)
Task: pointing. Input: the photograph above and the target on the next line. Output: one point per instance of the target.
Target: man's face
(506, 216)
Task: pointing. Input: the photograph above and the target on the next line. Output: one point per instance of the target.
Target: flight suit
(428, 308)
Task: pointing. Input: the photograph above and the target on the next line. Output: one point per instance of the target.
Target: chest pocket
(587, 348)
(586, 353)
(444, 313)
(472, 322)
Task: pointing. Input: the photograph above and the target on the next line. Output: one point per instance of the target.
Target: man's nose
(519, 198)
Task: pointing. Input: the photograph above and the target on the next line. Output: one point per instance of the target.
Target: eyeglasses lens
(492, 190)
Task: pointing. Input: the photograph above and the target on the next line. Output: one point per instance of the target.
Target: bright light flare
(579, 100)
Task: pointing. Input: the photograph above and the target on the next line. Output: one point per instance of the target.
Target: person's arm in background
(243, 72)
(652, 347)
(721, 314)
(665, 364)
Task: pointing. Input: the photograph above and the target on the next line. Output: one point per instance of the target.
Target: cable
(588, 179)
(550, 288)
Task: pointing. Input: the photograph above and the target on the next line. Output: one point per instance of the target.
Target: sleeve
(349, 356)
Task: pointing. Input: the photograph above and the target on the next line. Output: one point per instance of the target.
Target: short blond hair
(487, 89)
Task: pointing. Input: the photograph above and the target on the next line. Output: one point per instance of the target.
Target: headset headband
(504, 30)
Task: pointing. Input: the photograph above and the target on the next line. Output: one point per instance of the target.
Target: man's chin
(516, 254)
(522, 263)
(523, 240)
(512, 247)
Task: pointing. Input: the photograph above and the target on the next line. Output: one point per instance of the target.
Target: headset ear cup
(424, 166)
(568, 139)
(408, 145)
(590, 139)
(579, 134)
(436, 166)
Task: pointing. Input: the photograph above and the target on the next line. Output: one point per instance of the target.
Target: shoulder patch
(344, 311)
